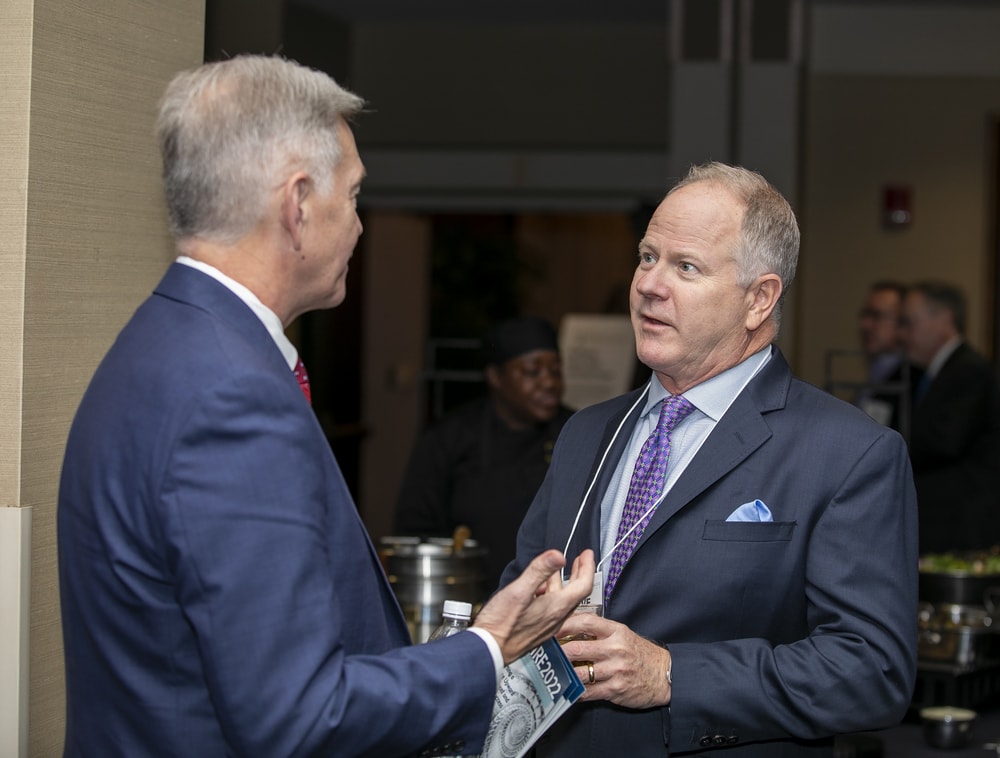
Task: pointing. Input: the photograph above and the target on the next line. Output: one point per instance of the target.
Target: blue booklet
(534, 691)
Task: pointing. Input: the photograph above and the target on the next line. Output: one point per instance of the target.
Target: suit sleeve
(276, 578)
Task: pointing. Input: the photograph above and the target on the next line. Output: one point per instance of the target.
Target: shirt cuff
(493, 647)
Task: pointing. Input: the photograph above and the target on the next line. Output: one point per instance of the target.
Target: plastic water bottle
(455, 617)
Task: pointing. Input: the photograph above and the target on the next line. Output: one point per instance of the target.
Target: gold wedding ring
(590, 674)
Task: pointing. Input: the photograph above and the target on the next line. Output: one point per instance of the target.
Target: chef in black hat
(481, 465)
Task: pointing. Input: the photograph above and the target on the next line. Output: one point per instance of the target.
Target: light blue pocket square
(755, 511)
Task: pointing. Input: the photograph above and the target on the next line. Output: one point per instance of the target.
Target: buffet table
(907, 739)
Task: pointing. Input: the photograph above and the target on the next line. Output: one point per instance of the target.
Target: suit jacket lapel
(959, 357)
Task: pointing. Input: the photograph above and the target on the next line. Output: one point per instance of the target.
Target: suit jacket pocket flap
(749, 531)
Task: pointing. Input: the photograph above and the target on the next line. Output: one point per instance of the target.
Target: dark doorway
(475, 273)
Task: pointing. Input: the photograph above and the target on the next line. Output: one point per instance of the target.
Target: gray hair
(769, 235)
(947, 296)
(229, 130)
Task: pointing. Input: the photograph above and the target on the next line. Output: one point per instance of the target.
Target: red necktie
(303, 377)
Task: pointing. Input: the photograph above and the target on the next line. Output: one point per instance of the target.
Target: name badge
(594, 602)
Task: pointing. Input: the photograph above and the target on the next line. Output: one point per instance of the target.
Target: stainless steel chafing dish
(959, 635)
(425, 573)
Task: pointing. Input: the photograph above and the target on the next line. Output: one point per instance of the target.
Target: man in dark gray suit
(955, 428)
(770, 599)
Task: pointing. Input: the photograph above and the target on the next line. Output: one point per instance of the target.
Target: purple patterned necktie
(646, 485)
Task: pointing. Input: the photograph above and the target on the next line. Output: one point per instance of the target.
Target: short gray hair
(944, 295)
(769, 236)
(228, 131)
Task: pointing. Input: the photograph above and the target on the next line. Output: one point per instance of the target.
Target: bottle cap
(457, 608)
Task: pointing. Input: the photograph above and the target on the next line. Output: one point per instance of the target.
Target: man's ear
(492, 377)
(765, 293)
(294, 194)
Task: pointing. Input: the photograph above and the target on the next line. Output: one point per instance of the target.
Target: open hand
(528, 611)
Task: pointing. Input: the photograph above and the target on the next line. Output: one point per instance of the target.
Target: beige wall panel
(96, 242)
(15, 549)
(15, 83)
(397, 270)
(861, 134)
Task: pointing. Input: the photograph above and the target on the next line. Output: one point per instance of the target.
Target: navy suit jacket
(220, 595)
(782, 634)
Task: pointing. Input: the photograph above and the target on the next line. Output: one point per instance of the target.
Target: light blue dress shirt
(711, 400)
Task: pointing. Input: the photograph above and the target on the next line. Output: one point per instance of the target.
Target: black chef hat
(518, 336)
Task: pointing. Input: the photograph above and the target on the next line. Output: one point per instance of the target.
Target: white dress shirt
(267, 317)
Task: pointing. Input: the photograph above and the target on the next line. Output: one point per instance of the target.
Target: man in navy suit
(770, 601)
(955, 433)
(220, 595)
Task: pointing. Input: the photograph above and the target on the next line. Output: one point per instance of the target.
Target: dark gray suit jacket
(782, 634)
(955, 451)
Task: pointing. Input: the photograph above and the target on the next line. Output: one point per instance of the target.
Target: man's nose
(649, 283)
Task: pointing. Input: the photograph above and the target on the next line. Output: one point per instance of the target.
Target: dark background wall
(564, 129)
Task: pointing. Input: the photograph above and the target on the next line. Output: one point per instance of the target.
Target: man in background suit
(770, 601)
(891, 378)
(955, 431)
(219, 593)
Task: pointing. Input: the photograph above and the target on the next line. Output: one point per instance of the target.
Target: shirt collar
(943, 355)
(714, 396)
(267, 317)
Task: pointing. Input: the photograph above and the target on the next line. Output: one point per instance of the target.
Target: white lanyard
(593, 481)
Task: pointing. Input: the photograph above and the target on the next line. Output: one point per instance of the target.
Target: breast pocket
(748, 531)
(757, 568)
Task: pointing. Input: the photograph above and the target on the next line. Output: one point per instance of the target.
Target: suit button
(732, 739)
(705, 741)
(720, 739)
